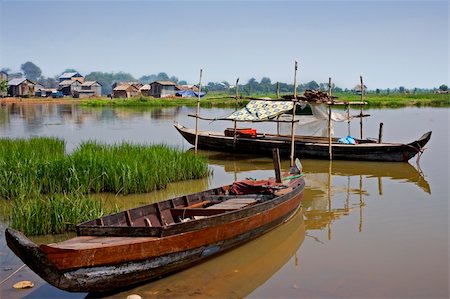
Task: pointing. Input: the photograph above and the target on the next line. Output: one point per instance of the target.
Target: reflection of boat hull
(234, 274)
(144, 243)
(236, 163)
(306, 147)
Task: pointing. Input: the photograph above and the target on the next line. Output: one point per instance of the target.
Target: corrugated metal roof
(165, 83)
(90, 83)
(70, 75)
(68, 82)
(125, 87)
(145, 87)
(17, 81)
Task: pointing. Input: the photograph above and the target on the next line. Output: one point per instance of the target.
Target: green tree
(443, 87)
(312, 85)
(3, 86)
(31, 71)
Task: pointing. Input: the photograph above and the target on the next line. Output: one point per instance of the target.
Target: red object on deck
(245, 132)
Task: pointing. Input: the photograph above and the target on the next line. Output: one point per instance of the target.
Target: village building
(126, 90)
(86, 93)
(187, 91)
(162, 89)
(71, 76)
(94, 86)
(145, 90)
(357, 88)
(68, 87)
(20, 87)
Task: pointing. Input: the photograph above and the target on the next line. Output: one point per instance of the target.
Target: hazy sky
(389, 43)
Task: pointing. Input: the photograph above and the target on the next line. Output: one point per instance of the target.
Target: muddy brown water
(366, 230)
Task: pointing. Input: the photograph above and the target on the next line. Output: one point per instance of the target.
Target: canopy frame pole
(361, 109)
(197, 113)
(235, 122)
(293, 116)
(330, 149)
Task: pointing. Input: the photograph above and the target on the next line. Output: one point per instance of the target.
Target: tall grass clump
(22, 162)
(129, 168)
(54, 214)
(47, 189)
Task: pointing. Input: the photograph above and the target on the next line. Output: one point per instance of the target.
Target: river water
(366, 230)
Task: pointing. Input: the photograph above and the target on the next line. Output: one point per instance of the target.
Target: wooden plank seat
(186, 212)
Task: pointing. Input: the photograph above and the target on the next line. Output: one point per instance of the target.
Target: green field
(228, 101)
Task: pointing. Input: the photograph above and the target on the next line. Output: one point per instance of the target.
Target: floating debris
(24, 284)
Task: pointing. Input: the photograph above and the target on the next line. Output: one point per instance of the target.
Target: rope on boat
(12, 274)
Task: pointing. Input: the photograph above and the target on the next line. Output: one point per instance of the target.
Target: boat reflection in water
(233, 274)
(333, 188)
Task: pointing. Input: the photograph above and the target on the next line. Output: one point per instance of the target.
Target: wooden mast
(235, 122)
(330, 150)
(198, 112)
(293, 116)
(361, 111)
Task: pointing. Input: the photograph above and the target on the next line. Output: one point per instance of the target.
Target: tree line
(32, 72)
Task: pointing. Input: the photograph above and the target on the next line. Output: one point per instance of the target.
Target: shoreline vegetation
(223, 100)
(44, 190)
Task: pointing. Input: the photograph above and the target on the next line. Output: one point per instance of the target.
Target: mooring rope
(12, 274)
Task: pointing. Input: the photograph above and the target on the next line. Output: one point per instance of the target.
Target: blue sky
(389, 43)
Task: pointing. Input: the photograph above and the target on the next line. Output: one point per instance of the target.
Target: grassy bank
(400, 100)
(223, 100)
(39, 179)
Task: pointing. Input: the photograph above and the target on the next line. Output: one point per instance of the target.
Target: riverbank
(227, 101)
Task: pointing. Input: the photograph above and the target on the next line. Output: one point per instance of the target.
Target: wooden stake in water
(198, 111)
(293, 116)
(276, 164)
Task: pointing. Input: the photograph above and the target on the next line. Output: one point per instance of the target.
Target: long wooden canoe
(307, 146)
(147, 242)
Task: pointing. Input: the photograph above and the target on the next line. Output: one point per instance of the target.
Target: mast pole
(235, 109)
(198, 112)
(361, 109)
(330, 150)
(293, 116)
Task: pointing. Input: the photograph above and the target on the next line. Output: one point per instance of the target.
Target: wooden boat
(307, 146)
(147, 242)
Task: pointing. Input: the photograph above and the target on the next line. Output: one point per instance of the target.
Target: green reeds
(47, 189)
(41, 167)
(52, 215)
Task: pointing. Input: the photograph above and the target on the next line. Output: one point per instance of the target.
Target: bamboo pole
(361, 111)
(330, 149)
(293, 116)
(197, 114)
(235, 122)
(278, 90)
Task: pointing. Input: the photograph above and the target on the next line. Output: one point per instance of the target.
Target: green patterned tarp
(261, 110)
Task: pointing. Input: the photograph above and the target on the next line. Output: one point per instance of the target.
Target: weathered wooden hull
(307, 147)
(99, 268)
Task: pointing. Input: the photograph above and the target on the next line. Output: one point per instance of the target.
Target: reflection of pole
(198, 112)
(380, 186)
(360, 203)
(293, 117)
(329, 198)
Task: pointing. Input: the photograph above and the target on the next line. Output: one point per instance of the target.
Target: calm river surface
(366, 230)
